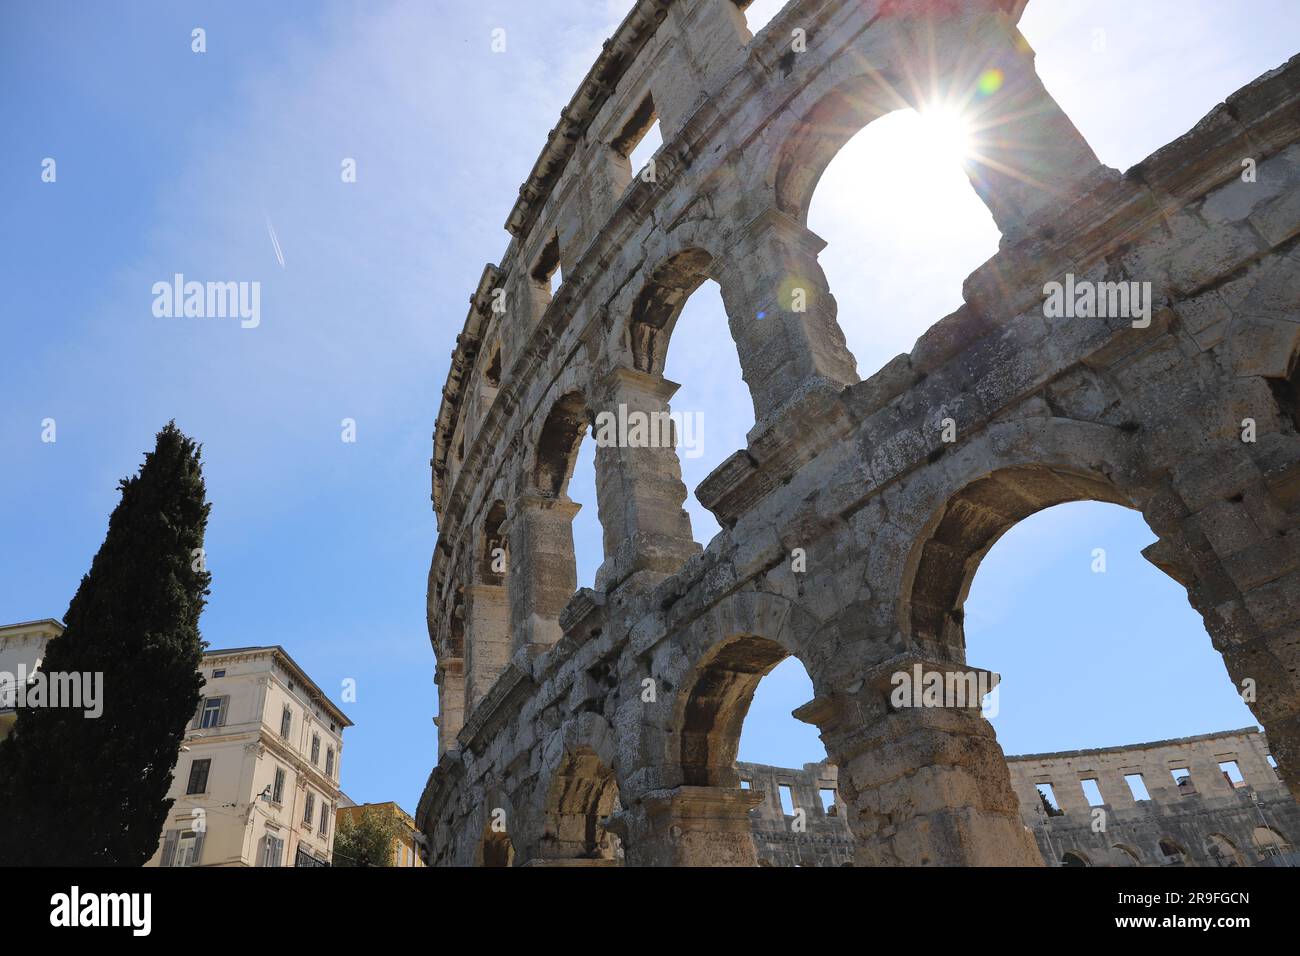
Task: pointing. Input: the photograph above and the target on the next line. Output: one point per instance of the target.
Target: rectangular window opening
(277, 789)
(1232, 773)
(546, 271)
(759, 13)
(1182, 779)
(1092, 791)
(744, 784)
(640, 139)
(787, 799)
(1047, 797)
(198, 782)
(828, 800)
(1137, 786)
(214, 710)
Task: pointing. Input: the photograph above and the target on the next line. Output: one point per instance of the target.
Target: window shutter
(260, 858)
(198, 716)
(221, 716)
(198, 847)
(169, 847)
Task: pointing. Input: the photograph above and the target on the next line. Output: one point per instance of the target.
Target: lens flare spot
(990, 82)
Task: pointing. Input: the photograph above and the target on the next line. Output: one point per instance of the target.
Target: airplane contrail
(274, 241)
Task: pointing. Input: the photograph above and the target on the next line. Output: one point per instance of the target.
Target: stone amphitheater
(599, 726)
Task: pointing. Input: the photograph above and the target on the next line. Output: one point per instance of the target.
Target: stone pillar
(689, 826)
(781, 312)
(543, 572)
(1027, 154)
(924, 786)
(450, 677)
(487, 638)
(639, 487)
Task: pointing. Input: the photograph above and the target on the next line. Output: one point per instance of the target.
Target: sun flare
(947, 132)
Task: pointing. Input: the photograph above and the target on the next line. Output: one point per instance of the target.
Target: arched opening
(557, 445)
(715, 709)
(714, 402)
(1173, 852)
(494, 556)
(738, 731)
(1222, 851)
(881, 170)
(1071, 581)
(565, 469)
(583, 795)
(496, 849)
(1074, 858)
(1269, 843)
(1121, 855)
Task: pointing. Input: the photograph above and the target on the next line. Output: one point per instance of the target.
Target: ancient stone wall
(1206, 820)
(580, 725)
(815, 834)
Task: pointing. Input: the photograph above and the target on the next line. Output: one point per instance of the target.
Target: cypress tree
(83, 791)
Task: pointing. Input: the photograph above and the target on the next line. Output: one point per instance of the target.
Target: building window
(277, 790)
(286, 723)
(324, 819)
(309, 809)
(329, 762)
(199, 776)
(272, 851)
(315, 749)
(219, 673)
(189, 848)
(214, 712)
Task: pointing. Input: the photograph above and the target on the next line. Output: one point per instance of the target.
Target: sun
(946, 132)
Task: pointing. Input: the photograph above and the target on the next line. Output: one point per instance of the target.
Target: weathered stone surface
(603, 726)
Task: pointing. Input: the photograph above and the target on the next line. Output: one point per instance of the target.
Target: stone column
(781, 312)
(543, 572)
(639, 487)
(689, 826)
(450, 678)
(924, 786)
(487, 638)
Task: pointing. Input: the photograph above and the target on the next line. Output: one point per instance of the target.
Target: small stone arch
(581, 793)
(731, 648)
(1222, 851)
(1125, 855)
(656, 307)
(1075, 858)
(970, 524)
(494, 551)
(815, 137)
(1174, 853)
(495, 848)
(1269, 842)
(557, 445)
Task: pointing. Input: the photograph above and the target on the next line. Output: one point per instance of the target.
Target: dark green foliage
(76, 791)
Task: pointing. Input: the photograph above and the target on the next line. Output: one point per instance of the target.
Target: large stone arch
(581, 793)
(686, 756)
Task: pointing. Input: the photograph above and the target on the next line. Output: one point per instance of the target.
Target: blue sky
(170, 161)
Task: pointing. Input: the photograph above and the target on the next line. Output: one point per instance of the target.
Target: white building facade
(257, 783)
